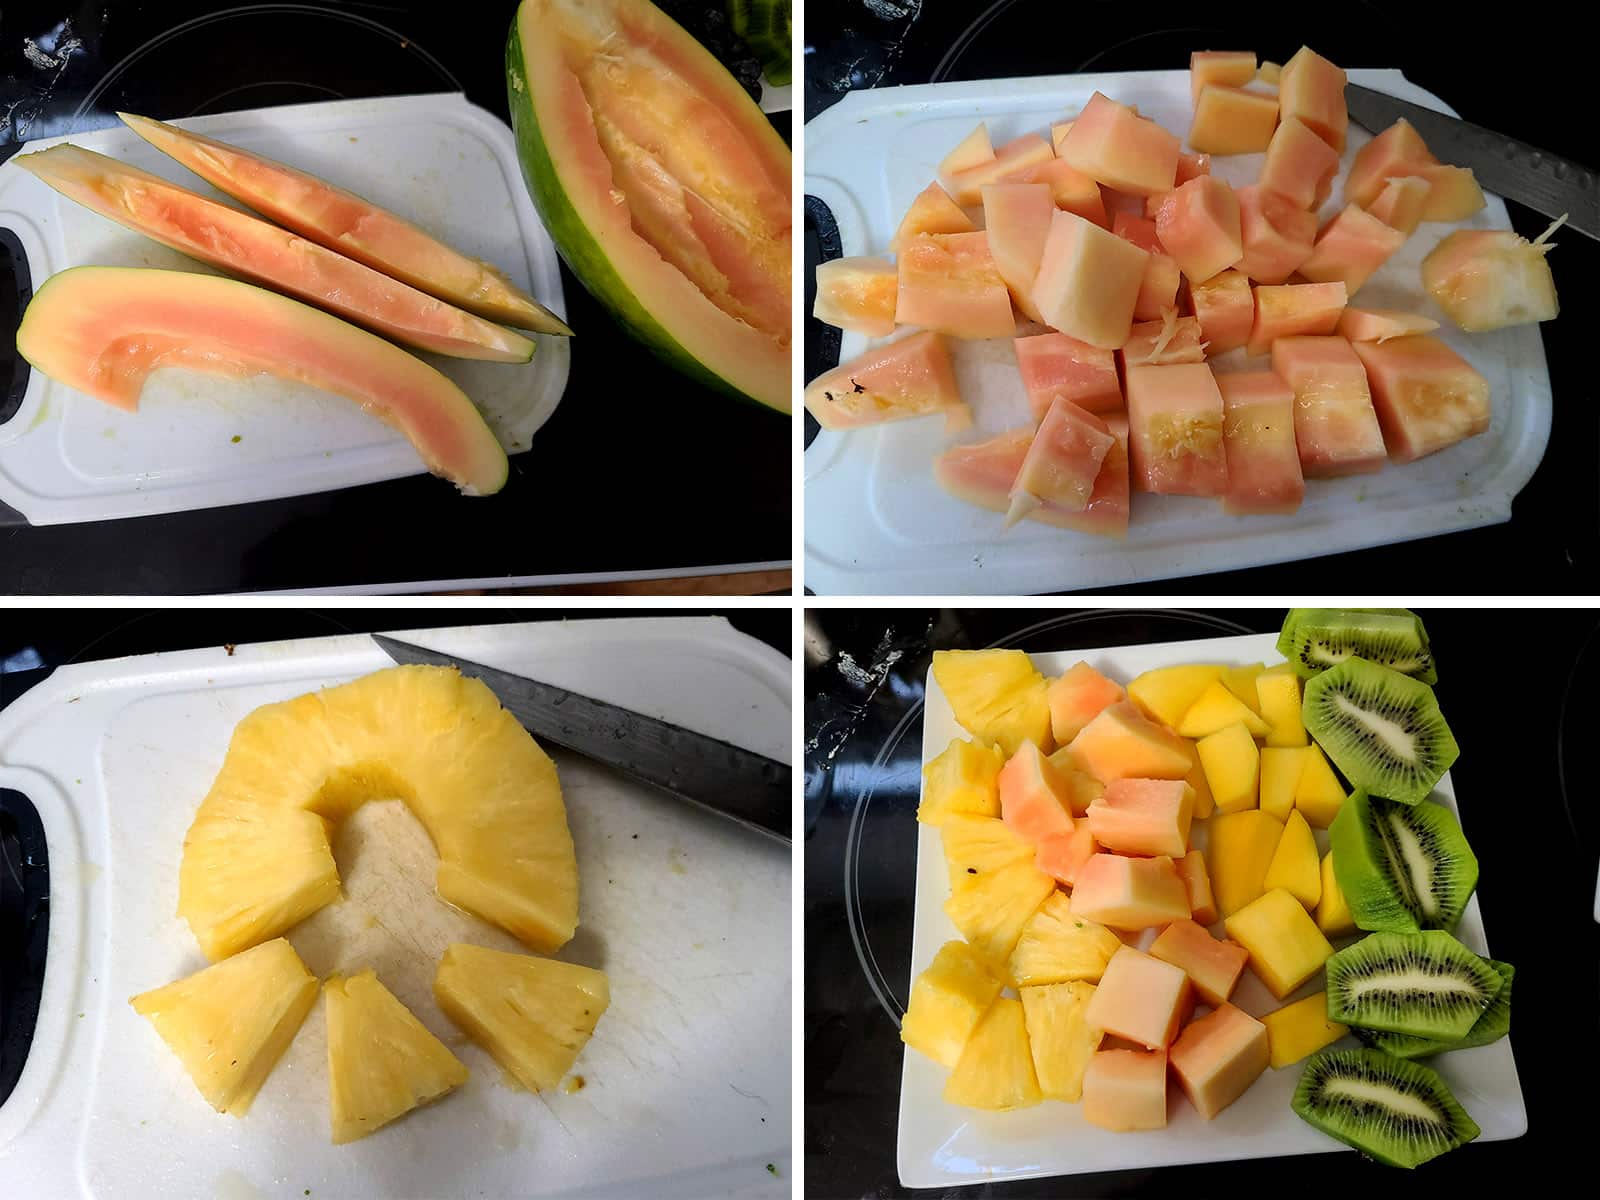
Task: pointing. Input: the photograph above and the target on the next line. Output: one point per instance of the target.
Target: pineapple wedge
(947, 1002)
(1060, 1036)
(997, 695)
(533, 1015)
(1056, 946)
(991, 911)
(483, 789)
(976, 847)
(382, 1061)
(229, 1023)
(995, 1070)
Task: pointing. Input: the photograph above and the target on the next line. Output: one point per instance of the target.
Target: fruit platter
(1198, 901)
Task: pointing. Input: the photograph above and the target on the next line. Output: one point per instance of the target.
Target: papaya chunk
(1426, 395)
(1398, 150)
(103, 330)
(1491, 278)
(1350, 248)
(1311, 89)
(1402, 202)
(910, 377)
(1299, 166)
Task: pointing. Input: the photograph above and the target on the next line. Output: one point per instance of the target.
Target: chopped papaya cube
(1350, 248)
(1227, 68)
(1491, 278)
(1191, 166)
(1299, 166)
(1175, 423)
(1453, 193)
(933, 211)
(1335, 427)
(1277, 235)
(949, 283)
(1011, 161)
(1016, 221)
(971, 151)
(1198, 225)
(1291, 308)
(981, 474)
(1401, 203)
(1053, 364)
(1062, 463)
(1398, 150)
(1264, 473)
(1070, 189)
(1232, 120)
(1088, 281)
(1112, 144)
(1173, 339)
(1225, 309)
(857, 294)
(911, 377)
(1427, 396)
(1381, 324)
(1058, 134)
(1158, 290)
(1311, 89)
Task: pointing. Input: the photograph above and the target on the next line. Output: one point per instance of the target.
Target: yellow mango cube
(1278, 702)
(1299, 1029)
(1286, 947)
(947, 1002)
(964, 779)
(1216, 709)
(1294, 866)
(1166, 693)
(996, 695)
(1241, 681)
(1233, 767)
(1204, 802)
(1319, 794)
(1238, 854)
(1280, 776)
(1333, 914)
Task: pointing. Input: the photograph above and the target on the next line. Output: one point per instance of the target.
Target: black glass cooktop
(639, 470)
(1551, 546)
(1527, 759)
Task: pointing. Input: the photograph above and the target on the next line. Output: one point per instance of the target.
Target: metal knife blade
(726, 779)
(1544, 182)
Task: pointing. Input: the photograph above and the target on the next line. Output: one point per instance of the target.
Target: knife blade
(725, 779)
(1546, 183)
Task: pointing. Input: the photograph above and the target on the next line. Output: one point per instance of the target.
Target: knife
(1544, 182)
(728, 780)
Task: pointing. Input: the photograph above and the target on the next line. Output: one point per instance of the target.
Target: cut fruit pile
(1124, 271)
(257, 861)
(1101, 946)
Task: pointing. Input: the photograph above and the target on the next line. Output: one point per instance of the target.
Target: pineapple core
(257, 859)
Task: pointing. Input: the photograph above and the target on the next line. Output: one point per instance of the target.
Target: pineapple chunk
(1057, 947)
(1060, 1036)
(533, 1015)
(996, 695)
(249, 872)
(947, 1002)
(485, 792)
(964, 778)
(995, 1070)
(382, 1061)
(976, 847)
(991, 911)
(229, 1023)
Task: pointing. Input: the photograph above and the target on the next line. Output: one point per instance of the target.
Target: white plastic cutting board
(942, 1145)
(199, 441)
(876, 522)
(687, 1076)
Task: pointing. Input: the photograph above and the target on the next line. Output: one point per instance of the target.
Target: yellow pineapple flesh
(231, 1022)
(947, 1002)
(533, 1015)
(485, 792)
(995, 1070)
(997, 695)
(1060, 1036)
(991, 911)
(975, 847)
(964, 778)
(382, 1061)
(1056, 946)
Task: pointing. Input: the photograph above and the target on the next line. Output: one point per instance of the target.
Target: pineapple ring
(258, 859)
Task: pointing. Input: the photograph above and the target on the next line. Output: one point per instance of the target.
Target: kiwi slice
(1424, 984)
(1317, 639)
(1383, 729)
(1401, 867)
(1398, 1112)
(1493, 1025)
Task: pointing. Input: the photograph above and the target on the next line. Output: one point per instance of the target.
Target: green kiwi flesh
(1317, 639)
(1398, 1112)
(1382, 729)
(1401, 867)
(1493, 1025)
(1426, 984)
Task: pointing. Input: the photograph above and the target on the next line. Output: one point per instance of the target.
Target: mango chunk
(1279, 699)
(1319, 795)
(1333, 914)
(1298, 1030)
(1238, 854)
(1232, 120)
(1088, 281)
(1233, 767)
(1115, 146)
(1142, 999)
(1165, 693)
(1294, 866)
(1286, 947)
(947, 1002)
(964, 778)
(1280, 775)
(1126, 1090)
(1216, 708)
(1129, 893)
(1218, 1057)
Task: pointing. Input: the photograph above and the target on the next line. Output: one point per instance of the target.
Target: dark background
(1538, 90)
(638, 470)
(1524, 736)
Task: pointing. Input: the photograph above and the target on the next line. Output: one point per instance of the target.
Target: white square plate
(941, 1145)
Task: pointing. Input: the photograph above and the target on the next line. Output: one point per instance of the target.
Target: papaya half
(665, 189)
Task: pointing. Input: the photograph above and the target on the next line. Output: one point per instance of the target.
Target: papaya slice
(664, 187)
(356, 228)
(103, 330)
(246, 245)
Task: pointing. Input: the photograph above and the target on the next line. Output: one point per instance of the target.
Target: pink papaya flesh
(1225, 309)
(857, 294)
(1426, 395)
(1350, 248)
(1278, 236)
(1062, 463)
(1175, 418)
(1198, 225)
(103, 330)
(1053, 364)
(355, 227)
(931, 212)
(1336, 429)
(1401, 203)
(1311, 89)
(1264, 473)
(949, 282)
(1399, 150)
(1299, 166)
(246, 245)
(1284, 310)
(911, 377)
